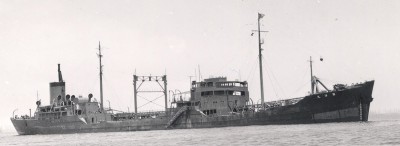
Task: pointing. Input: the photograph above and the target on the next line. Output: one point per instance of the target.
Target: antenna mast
(260, 59)
(199, 73)
(101, 80)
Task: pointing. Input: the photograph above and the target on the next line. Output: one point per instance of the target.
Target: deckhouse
(218, 96)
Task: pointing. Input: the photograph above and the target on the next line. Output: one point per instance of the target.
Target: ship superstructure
(219, 96)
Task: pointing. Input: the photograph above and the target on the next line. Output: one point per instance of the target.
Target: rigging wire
(276, 80)
(226, 64)
(303, 76)
(273, 75)
(95, 84)
(110, 86)
(273, 87)
(234, 56)
(299, 88)
(251, 74)
(302, 81)
(329, 80)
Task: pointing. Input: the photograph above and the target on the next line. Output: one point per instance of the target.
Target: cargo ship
(212, 102)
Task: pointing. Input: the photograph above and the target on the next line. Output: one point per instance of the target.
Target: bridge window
(236, 93)
(207, 93)
(231, 84)
(219, 92)
(210, 112)
(202, 84)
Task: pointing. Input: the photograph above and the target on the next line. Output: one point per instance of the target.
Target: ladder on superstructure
(176, 116)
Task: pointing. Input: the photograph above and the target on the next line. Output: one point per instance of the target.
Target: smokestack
(57, 88)
(60, 79)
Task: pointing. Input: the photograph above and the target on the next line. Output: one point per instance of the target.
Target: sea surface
(379, 132)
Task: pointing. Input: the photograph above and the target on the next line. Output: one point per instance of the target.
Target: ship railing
(141, 115)
(278, 103)
(340, 87)
(152, 113)
(181, 97)
(22, 117)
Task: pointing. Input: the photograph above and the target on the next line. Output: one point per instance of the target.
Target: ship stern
(21, 126)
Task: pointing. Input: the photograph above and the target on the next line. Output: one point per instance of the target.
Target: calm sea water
(383, 132)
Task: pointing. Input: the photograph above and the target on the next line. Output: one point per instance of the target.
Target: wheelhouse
(218, 96)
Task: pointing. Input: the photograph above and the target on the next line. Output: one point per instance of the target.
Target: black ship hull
(347, 105)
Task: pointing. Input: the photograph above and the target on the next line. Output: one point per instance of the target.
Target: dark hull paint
(337, 106)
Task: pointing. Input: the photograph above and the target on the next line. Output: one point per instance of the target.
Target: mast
(260, 59)
(199, 73)
(101, 80)
(312, 78)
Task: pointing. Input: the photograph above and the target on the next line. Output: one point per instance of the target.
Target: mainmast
(260, 59)
(101, 80)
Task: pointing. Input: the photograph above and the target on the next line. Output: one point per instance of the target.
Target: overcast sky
(359, 41)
